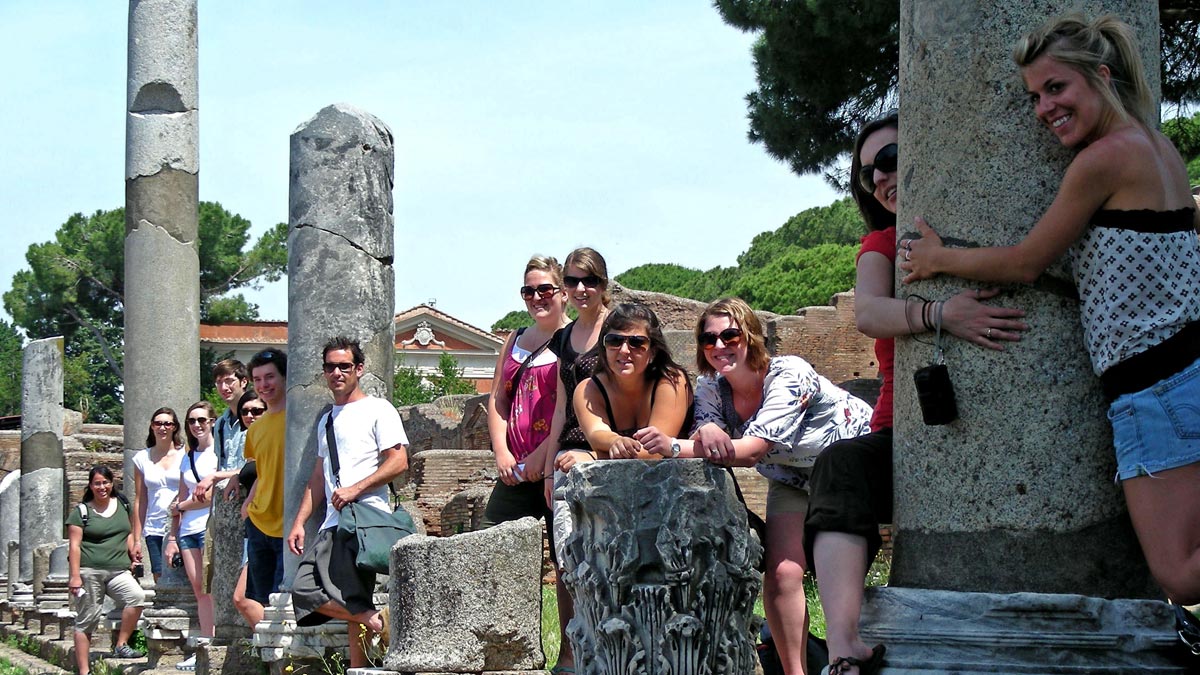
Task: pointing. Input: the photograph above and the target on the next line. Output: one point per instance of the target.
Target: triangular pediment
(424, 328)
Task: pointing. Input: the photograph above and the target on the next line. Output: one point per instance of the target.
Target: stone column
(661, 564)
(340, 276)
(10, 519)
(1017, 495)
(162, 269)
(42, 511)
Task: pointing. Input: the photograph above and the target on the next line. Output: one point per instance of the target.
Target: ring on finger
(988, 334)
(908, 254)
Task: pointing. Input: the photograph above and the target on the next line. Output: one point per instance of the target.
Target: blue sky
(520, 128)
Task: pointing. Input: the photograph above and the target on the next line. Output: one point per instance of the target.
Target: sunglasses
(885, 161)
(729, 337)
(543, 291)
(329, 367)
(635, 342)
(253, 412)
(163, 425)
(590, 281)
(198, 420)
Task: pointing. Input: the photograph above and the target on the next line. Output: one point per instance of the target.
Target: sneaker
(125, 652)
(188, 664)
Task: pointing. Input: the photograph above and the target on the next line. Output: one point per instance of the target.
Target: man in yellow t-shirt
(263, 508)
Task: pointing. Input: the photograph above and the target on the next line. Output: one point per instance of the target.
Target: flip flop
(562, 670)
(870, 666)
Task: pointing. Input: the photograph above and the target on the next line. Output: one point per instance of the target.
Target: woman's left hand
(653, 440)
(624, 448)
(917, 256)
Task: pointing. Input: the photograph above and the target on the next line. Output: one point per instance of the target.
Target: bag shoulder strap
(192, 463)
(334, 464)
(220, 429)
(83, 514)
(516, 380)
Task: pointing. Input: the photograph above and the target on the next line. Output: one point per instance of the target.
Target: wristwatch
(675, 448)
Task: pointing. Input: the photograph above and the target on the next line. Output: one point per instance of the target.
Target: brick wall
(438, 475)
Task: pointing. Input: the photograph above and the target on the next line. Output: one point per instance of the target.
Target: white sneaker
(188, 664)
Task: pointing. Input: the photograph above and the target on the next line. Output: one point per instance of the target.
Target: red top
(882, 241)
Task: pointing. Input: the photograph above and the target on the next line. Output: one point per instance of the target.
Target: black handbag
(370, 531)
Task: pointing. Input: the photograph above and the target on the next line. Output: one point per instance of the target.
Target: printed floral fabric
(531, 406)
(801, 414)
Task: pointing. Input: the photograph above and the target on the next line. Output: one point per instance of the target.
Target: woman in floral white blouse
(775, 414)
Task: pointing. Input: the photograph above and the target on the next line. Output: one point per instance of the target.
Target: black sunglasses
(329, 367)
(542, 290)
(253, 412)
(590, 281)
(729, 337)
(885, 161)
(197, 420)
(635, 342)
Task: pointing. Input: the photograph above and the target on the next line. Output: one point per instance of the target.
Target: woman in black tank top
(638, 394)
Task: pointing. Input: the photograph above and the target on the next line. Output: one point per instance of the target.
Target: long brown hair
(177, 437)
(876, 216)
(212, 417)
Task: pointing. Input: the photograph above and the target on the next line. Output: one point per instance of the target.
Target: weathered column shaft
(1018, 494)
(661, 565)
(340, 276)
(162, 268)
(10, 514)
(41, 510)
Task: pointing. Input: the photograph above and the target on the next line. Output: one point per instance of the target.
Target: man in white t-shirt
(372, 450)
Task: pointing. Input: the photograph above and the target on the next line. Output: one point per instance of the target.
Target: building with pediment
(423, 334)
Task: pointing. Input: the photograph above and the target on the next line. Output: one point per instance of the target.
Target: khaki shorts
(783, 498)
(117, 584)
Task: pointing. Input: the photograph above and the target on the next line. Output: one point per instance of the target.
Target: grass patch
(7, 668)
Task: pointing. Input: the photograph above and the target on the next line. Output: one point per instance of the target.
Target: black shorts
(327, 572)
(513, 502)
(851, 490)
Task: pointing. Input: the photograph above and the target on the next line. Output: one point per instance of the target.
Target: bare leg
(360, 636)
(566, 611)
(251, 611)
(1165, 509)
(193, 564)
(783, 589)
(83, 650)
(841, 562)
(370, 618)
(129, 619)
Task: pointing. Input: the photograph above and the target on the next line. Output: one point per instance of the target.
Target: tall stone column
(661, 565)
(1008, 517)
(340, 276)
(162, 269)
(42, 510)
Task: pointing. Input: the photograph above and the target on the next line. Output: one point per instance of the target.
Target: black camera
(139, 570)
(177, 560)
(935, 393)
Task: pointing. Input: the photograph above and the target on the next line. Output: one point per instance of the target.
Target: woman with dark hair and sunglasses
(775, 414)
(638, 397)
(156, 483)
(102, 547)
(850, 493)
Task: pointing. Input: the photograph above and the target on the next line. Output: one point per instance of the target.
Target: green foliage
(10, 362)
(838, 223)
(410, 386)
(518, 318)
(75, 287)
(799, 278)
(1184, 132)
(803, 263)
(826, 66)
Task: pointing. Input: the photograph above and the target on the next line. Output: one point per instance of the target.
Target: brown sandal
(867, 667)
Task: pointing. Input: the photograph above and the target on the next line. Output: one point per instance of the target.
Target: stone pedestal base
(286, 647)
(946, 632)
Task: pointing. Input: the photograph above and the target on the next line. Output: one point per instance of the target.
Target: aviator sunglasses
(635, 342)
(543, 291)
(885, 161)
(729, 337)
(330, 366)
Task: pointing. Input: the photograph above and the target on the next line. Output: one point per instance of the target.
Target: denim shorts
(154, 543)
(187, 541)
(1158, 428)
